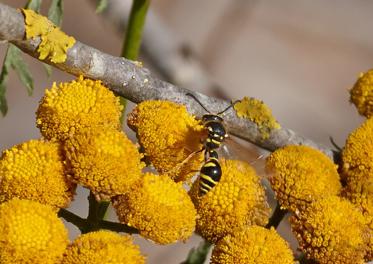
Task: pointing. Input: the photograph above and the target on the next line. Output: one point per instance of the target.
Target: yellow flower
(168, 134)
(54, 43)
(103, 247)
(236, 201)
(159, 208)
(30, 233)
(35, 171)
(254, 245)
(300, 175)
(362, 94)
(259, 113)
(104, 160)
(71, 107)
(331, 230)
(363, 199)
(357, 156)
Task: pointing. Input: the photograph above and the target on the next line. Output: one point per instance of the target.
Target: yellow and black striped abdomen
(210, 175)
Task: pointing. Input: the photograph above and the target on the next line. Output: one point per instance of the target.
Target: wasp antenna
(195, 98)
(226, 109)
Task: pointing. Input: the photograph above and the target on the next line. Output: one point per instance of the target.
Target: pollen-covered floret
(331, 230)
(159, 208)
(300, 175)
(168, 134)
(236, 201)
(74, 106)
(103, 247)
(362, 94)
(104, 160)
(357, 157)
(35, 171)
(254, 245)
(30, 233)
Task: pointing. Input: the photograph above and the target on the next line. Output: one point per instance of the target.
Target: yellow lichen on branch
(259, 113)
(54, 43)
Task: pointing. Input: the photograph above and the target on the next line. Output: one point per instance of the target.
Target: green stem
(96, 213)
(198, 255)
(73, 218)
(117, 227)
(135, 27)
(276, 217)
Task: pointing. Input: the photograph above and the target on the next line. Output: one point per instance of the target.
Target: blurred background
(299, 57)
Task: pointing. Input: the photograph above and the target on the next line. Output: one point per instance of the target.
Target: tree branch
(132, 81)
(172, 57)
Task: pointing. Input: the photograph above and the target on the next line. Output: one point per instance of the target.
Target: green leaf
(34, 5)
(101, 5)
(3, 78)
(198, 255)
(21, 68)
(55, 12)
(13, 59)
(48, 69)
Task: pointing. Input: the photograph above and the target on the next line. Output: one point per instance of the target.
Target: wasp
(210, 172)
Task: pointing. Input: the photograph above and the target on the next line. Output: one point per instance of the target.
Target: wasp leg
(181, 164)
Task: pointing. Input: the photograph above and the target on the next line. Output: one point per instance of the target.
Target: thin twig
(136, 83)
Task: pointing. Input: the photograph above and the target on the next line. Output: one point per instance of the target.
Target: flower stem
(117, 227)
(73, 218)
(276, 217)
(198, 255)
(96, 213)
(135, 27)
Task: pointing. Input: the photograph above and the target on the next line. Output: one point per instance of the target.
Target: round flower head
(362, 94)
(74, 106)
(252, 245)
(331, 230)
(103, 160)
(357, 157)
(168, 135)
(300, 175)
(159, 208)
(103, 247)
(35, 171)
(30, 233)
(236, 201)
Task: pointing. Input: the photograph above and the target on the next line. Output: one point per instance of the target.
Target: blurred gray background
(300, 57)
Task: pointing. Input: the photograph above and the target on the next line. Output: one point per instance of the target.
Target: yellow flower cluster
(54, 43)
(103, 247)
(236, 201)
(75, 106)
(331, 230)
(300, 175)
(255, 245)
(35, 171)
(357, 157)
(104, 160)
(159, 208)
(30, 233)
(168, 134)
(362, 94)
